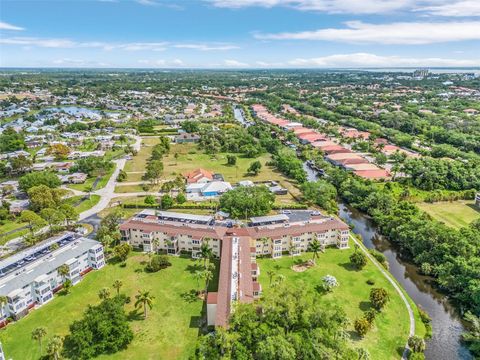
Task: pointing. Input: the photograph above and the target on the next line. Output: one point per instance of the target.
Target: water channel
(445, 343)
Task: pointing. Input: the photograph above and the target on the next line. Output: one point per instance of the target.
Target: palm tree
(206, 252)
(197, 275)
(63, 271)
(54, 347)
(3, 302)
(117, 284)
(280, 279)
(270, 274)
(38, 334)
(88, 189)
(264, 243)
(315, 247)
(207, 275)
(145, 299)
(104, 293)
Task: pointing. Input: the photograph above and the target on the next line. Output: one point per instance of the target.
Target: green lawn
(169, 332)
(84, 205)
(89, 182)
(390, 332)
(191, 158)
(134, 177)
(11, 226)
(456, 214)
(129, 188)
(139, 161)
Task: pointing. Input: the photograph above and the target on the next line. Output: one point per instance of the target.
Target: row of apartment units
(30, 278)
(237, 247)
(155, 231)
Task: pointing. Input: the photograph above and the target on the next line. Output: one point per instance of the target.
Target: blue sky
(239, 33)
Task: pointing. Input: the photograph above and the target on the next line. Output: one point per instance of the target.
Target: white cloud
(269, 64)
(162, 63)
(234, 63)
(7, 26)
(134, 46)
(329, 6)
(147, 2)
(30, 41)
(205, 47)
(412, 33)
(457, 9)
(366, 60)
(68, 62)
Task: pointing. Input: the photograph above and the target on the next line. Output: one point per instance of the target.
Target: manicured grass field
(136, 176)
(456, 214)
(390, 332)
(11, 226)
(169, 332)
(129, 188)
(139, 161)
(191, 158)
(85, 204)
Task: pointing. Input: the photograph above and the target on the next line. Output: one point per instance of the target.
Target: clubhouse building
(236, 244)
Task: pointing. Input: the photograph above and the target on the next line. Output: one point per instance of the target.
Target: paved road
(399, 291)
(106, 195)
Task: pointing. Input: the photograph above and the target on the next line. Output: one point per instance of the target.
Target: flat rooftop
(175, 216)
(43, 261)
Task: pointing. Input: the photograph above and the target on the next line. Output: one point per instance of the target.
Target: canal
(445, 343)
(447, 327)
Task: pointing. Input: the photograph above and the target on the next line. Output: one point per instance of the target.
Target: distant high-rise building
(421, 73)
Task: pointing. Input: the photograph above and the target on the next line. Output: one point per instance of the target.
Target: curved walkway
(397, 288)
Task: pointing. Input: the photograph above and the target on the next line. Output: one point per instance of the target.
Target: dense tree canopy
(247, 201)
(104, 329)
(287, 325)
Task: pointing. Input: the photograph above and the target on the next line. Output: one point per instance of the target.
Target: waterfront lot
(169, 332)
(390, 332)
(456, 214)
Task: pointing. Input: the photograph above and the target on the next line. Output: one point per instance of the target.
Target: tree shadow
(195, 322)
(135, 315)
(320, 290)
(400, 350)
(192, 268)
(189, 296)
(365, 305)
(354, 336)
(348, 266)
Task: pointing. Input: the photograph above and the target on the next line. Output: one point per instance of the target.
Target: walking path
(397, 288)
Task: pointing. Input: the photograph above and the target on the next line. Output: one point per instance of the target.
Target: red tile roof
(195, 175)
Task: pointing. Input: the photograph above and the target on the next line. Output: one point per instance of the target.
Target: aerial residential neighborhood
(219, 179)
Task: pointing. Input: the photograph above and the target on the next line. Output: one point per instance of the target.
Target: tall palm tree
(270, 274)
(54, 347)
(63, 271)
(3, 302)
(264, 243)
(104, 293)
(144, 299)
(315, 247)
(117, 284)
(88, 189)
(206, 252)
(38, 334)
(207, 275)
(197, 275)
